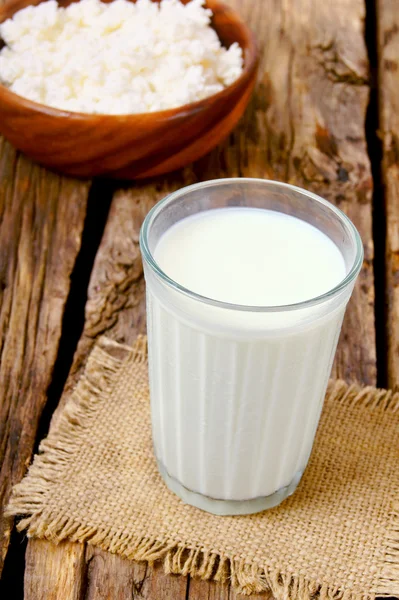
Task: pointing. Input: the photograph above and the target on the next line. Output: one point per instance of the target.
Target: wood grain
(41, 222)
(101, 568)
(112, 578)
(137, 145)
(212, 591)
(305, 125)
(47, 581)
(115, 306)
(388, 62)
(200, 590)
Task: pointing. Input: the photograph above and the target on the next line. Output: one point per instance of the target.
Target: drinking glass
(237, 391)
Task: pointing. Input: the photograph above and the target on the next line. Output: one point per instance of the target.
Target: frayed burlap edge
(28, 499)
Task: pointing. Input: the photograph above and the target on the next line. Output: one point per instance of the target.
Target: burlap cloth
(95, 480)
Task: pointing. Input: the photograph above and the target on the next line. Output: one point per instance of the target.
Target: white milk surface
(236, 395)
(250, 256)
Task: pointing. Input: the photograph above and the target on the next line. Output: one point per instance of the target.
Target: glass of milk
(247, 285)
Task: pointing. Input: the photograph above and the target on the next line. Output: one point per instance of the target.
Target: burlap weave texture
(95, 479)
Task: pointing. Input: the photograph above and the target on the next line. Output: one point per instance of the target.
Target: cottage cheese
(116, 58)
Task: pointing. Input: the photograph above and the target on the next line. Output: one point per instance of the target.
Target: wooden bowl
(130, 146)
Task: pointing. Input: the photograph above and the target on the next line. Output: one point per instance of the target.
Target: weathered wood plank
(41, 221)
(388, 61)
(212, 591)
(67, 582)
(115, 306)
(127, 586)
(158, 585)
(200, 590)
(135, 581)
(305, 125)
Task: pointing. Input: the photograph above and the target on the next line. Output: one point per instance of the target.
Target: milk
(237, 388)
(250, 256)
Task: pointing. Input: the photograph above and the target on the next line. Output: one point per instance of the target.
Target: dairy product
(250, 256)
(116, 58)
(244, 310)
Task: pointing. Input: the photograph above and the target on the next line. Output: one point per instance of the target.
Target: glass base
(228, 507)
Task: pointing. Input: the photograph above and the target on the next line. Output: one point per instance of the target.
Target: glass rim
(169, 198)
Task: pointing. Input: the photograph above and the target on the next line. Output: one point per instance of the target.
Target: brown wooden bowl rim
(250, 65)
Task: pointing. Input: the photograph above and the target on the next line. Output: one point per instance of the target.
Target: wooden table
(70, 267)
